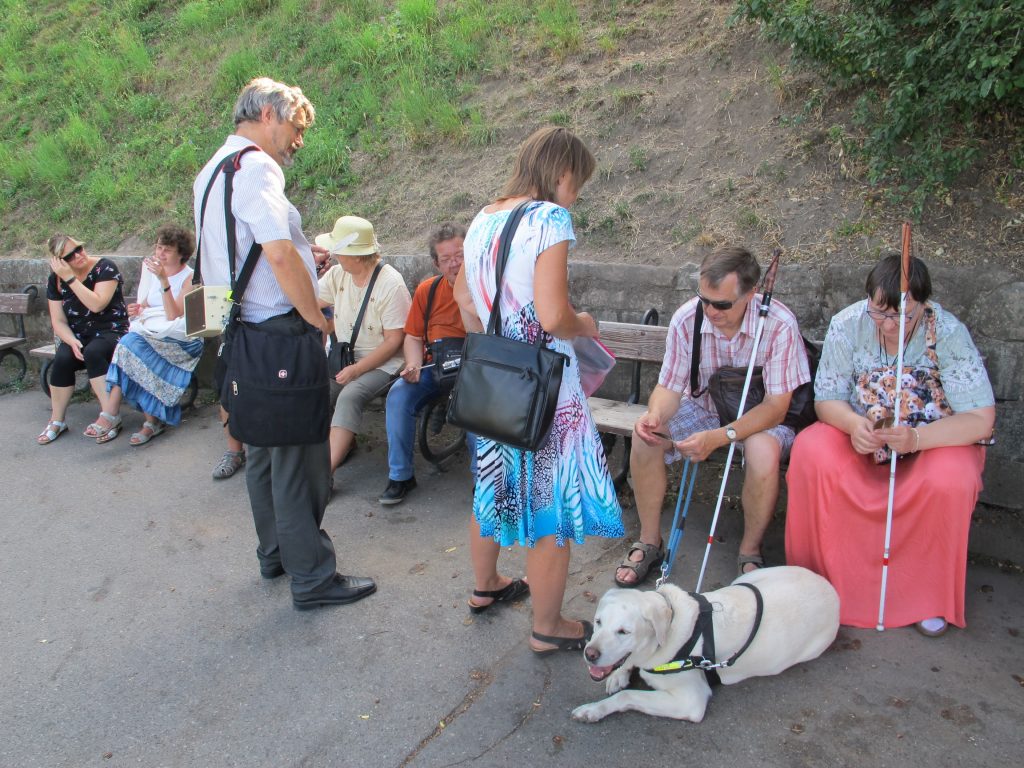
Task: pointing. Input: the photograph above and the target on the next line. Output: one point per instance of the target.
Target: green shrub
(931, 74)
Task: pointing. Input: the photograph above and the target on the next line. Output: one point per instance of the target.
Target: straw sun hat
(351, 236)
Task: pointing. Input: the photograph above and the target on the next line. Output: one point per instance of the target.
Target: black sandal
(563, 643)
(514, 590)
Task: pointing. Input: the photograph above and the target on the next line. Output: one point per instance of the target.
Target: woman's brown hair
(543, 158)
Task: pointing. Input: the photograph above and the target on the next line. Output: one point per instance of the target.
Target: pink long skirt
(835, 526)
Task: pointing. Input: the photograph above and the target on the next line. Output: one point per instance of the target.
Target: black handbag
(507, 390)
(445, 353)
(343, 353)
(274, 386)
(725, 386)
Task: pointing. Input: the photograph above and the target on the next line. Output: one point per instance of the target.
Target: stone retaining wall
(989, 300)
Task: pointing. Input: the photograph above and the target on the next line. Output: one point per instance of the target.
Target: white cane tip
(880, 628)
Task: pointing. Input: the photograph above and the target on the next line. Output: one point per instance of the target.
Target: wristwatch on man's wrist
(730, 432)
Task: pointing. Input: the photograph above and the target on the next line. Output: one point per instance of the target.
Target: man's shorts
(691, 418)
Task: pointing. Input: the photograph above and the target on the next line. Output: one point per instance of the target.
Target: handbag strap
(504, 245)
(362, 307)
(695, 341)
(233, 162)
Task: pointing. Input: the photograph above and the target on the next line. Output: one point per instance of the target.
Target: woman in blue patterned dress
(563, 492)
(153, 363)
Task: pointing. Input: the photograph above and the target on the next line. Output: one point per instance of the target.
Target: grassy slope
(702, 132)
(113, 107)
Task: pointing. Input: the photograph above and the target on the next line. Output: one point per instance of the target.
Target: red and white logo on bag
(282, 374)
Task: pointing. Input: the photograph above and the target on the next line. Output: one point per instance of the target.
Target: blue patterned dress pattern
(564, 489)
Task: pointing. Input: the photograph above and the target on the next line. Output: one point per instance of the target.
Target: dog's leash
(678, 523)
(683, 661)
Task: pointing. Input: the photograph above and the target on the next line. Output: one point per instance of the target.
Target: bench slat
(14, 303)
(631, 341)
(615, 416)
(47, 353)
(6, 342)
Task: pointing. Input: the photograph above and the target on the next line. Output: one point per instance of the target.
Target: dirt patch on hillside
(702, 136)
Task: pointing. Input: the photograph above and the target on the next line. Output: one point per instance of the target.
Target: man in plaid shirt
(726, 289)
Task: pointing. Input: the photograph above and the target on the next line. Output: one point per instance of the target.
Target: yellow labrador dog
(644, 630)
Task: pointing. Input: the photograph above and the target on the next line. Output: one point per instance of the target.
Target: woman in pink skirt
(838, 474)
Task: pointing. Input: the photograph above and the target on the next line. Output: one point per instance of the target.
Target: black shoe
(271, 571)
(338, 591)
(396, 491)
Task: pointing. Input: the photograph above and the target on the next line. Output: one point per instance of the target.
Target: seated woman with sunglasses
(153, 363)
(839, 471)
(88, 316)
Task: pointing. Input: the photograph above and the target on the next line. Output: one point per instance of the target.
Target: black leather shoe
(339, 591)
(396, 491)
(271, 571)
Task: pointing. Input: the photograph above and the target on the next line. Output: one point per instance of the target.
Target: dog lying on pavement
(645, 630)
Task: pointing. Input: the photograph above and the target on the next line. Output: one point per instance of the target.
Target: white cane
(766, 300)
(904, 287)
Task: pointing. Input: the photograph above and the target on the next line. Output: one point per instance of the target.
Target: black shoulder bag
(726, 384)
(275, 387)
(507, 390)
(445, 353)
(343, 353)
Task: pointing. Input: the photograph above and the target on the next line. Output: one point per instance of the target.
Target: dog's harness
(683, 661)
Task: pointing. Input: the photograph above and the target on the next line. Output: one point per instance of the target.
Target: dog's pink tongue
(599, 673)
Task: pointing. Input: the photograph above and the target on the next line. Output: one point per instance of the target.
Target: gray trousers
(288, 492)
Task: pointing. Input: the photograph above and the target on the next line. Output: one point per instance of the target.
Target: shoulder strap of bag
(366, 300)
(504, 244)
(695, 339)
(430, 305)
(237, 288)
(234, 160)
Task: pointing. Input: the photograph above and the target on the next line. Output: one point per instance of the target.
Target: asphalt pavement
(136, 631)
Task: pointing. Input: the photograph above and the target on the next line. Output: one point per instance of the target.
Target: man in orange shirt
(418, 385)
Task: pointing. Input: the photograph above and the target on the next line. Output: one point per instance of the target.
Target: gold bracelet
(917, 439)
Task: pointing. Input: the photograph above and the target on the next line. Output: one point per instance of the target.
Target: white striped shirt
(262, 214)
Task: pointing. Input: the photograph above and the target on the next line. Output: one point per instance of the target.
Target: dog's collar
(683, 661)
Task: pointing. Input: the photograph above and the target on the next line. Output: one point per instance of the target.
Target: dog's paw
(588, 713)
(617, 681)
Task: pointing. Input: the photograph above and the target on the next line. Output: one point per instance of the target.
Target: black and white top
(85, 323)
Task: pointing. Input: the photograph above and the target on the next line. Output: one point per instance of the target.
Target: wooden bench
(47, 352)
(13, 365)
(635, 343)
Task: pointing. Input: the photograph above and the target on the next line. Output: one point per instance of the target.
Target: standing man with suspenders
(288, 484)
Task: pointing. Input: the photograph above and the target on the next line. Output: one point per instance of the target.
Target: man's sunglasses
(72, 253)
(721, 306)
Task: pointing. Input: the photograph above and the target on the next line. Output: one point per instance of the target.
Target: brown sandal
(744, 560)
(653, 557)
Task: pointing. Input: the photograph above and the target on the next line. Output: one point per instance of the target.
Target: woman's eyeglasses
(721, 306)
(880, 316)
(72, 253)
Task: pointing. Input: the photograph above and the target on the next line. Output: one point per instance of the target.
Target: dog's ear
(657, 611)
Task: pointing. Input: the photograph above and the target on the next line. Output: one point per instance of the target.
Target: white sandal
(54, 429)
(155, 428)
(98, 430)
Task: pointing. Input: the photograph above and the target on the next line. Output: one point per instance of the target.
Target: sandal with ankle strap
(653, 557)
(141, 438)
(54, 429)
(106, 434)
(96, 429)
(755, 560)
(514, 590)
(563, 643)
